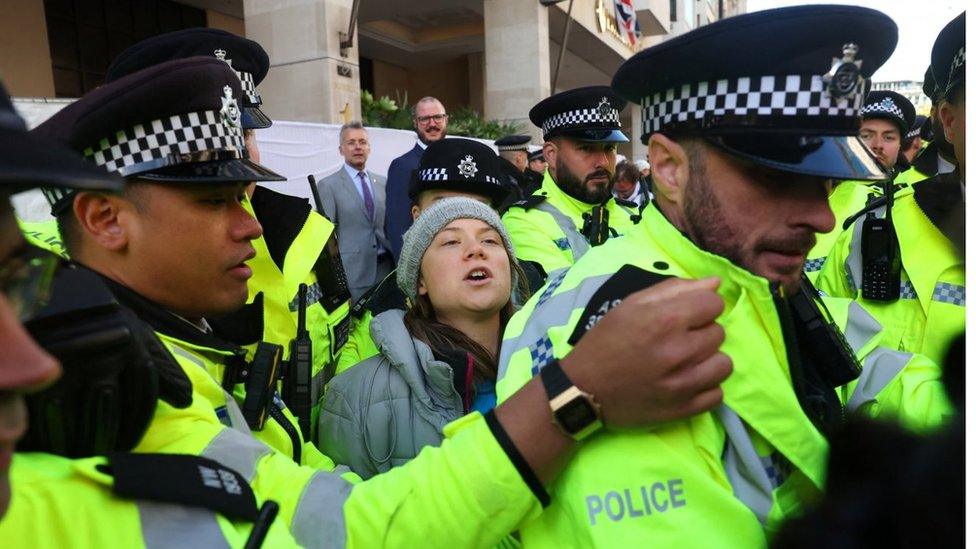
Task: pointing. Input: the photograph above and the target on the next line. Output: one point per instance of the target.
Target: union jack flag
(627, 24)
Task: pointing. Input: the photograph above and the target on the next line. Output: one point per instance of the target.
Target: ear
(550, 151)
(421, 287)
(415, 211)
(98, 215)
(669, 166)
(947, 115)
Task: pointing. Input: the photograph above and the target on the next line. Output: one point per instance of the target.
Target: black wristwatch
(575, 412)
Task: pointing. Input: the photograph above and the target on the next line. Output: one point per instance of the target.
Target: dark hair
(626, 171)
(421, 321)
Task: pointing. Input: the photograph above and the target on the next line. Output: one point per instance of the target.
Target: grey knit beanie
(419, 236)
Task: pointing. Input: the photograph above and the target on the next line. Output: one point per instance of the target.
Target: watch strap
(554, 379)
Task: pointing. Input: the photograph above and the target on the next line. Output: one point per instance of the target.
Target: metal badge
(230, 114)
(844, 77)
(221, 54)
(467, 167)
(604, 108)
(888, 105)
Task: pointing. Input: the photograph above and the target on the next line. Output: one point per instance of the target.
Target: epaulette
(871, 205)
(380, 298)
(530, 202)
(186, 480)
(627, 280)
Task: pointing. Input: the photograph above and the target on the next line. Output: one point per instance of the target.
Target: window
(86, 35)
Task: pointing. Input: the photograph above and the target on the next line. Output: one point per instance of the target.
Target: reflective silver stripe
(855, 263)
(878, 370)
(743, 466)
(319, 519)
(861, 326)
(238, 451)
(168, 525)
(577, 244)
(318, 385)
(952, 294)
(555, 311)
(235, 415)
(176, 349)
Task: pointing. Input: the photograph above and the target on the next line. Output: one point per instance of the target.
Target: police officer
(886, 119)
(514, 153)
(573, 210)
(914, 141)
(742, 148)
(936, 156)
(48, 500)
(172, 247)
(298, 245)
(896, 259)
(535, 170)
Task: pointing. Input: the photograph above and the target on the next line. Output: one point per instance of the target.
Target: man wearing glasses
(430, 123)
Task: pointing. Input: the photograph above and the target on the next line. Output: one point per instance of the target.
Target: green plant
(384, 112)
(468, 122)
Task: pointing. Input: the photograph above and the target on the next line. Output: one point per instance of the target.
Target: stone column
(516, 60)
(309, 80)
(638, 150)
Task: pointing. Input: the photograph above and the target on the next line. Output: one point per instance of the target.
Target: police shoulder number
(627, 280)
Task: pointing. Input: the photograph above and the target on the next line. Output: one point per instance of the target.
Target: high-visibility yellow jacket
(547, 231)
(61, 503)
(845, 200)
(718, 479)
(931, 306)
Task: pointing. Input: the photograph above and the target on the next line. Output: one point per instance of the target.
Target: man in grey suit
(355, 200)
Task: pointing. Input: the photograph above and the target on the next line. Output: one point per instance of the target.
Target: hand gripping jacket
(931, 308)
(740, 469)
(57, 502)
(545, 228)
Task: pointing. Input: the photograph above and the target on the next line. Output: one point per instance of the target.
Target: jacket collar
(165, 322)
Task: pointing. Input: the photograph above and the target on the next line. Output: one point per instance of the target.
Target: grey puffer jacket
(381, 412)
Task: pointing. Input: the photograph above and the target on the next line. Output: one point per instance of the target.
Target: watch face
(576, 414)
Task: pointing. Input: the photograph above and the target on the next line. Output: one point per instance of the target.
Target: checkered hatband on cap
(440, 174)
(913, 133)
(756, 101)
(580, 118)
(432, 174)
(249, 87)
(885, 106)
(158, 143)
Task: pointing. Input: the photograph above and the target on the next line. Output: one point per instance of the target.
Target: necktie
(367, 195)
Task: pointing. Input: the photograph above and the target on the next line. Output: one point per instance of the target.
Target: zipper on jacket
(296, 440)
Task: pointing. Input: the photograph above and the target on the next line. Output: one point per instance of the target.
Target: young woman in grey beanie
(438, 360)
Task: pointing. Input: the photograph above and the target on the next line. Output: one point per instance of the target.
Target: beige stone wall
(222, 21)
(25, 57)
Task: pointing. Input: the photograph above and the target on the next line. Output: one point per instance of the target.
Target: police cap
(246, 57)
(177, 122)
(949, 56)
(27, 160)
(782, 88)
(917, 127)
(889, 105)
(587, 114)
(536, 155)
(513, 143)
(459, 164)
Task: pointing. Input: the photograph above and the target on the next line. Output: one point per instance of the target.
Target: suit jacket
(359, 236)
(398, 218)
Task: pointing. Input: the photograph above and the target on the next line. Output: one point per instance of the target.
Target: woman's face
(466, 271)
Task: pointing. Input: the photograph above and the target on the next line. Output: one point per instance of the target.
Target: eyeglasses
(26, 278)
(434, 117)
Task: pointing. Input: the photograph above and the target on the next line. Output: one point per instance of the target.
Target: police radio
(297, 386)
(881, 278)
(836, 361)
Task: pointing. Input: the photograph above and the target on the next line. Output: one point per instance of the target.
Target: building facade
(497, 57)
(911, 90)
